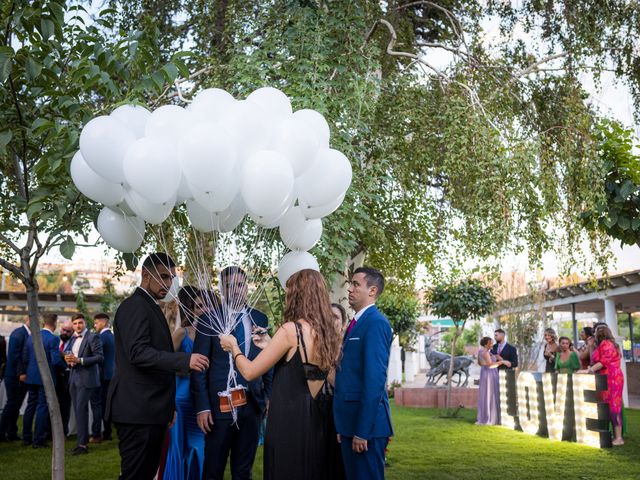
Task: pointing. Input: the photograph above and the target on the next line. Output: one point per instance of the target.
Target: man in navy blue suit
(14, 377)
(34, 381)
(222, 437)
(99, 396)
(360, 406)
(506, 352)
(85, 359)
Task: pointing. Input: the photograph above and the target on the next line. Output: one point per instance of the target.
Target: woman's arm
(282, 342)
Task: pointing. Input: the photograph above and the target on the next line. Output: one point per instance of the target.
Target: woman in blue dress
(186, 441)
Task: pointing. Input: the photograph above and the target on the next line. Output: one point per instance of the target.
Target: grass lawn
(425, 447)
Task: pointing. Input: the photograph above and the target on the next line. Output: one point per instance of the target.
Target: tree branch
(455, 23)
(177, 84)
(9, 243)
(534, 66)
(13, 269)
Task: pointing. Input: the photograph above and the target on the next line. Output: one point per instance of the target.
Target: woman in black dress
(304, 350)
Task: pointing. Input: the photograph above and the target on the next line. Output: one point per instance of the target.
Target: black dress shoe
(107, 438)
(26, 443)
(40, 445)
(13, 438)
(80, 450)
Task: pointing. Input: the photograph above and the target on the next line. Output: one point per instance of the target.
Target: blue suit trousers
(368, 465)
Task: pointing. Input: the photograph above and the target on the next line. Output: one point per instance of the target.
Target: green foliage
(401, 306)
(434, 166)
(110, 299)
(618, 213)
(59, 69)
(465, 300)
(459, 345)
(471, 336)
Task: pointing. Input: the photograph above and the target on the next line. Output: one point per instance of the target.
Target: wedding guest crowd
(322, 381)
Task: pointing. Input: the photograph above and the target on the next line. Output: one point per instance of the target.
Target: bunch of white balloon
(224, 158)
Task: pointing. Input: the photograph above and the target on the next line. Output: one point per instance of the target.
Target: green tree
(58, 69)
(401, 306)
(617, 214)
(110, 299)
(489, 154)
(461, 301)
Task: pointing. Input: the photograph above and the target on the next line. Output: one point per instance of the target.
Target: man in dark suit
(141, 398)
(34, 381)
(505, 352)
(62, 381)
(14, 377)
(85, 360)
(360, 405)
(99, 398)
(222, 436)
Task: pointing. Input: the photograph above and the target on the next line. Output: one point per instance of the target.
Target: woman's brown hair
(308, 299)
(604, 333)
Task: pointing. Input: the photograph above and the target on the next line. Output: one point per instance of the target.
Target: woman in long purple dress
(489, 392)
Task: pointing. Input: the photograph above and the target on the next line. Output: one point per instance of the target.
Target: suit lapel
(360, 323)
(83, 344)
(160, 318)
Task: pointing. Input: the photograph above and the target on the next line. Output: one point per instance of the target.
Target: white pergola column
(611, 318)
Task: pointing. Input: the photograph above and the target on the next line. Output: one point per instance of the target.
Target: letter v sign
(555, 406)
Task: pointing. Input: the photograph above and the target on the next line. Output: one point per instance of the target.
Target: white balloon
(124, 208)
(267, 183)
(134, 117)
(318, 124)
(207, 155)
(297, 141)
(152, 169)
(327, 179)
(219, 198)
(150, 212)
(230, 218)
(273, 101)
(201, 219)
(184, 191)
(270, 221)
(93, 185)
(293, 262)
(120, 232)
(297, 232)
(210, 105)
(311, 213)
(251, 128)
(103, 143)
(168, 121)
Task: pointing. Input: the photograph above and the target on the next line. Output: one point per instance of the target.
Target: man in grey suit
(84, 356)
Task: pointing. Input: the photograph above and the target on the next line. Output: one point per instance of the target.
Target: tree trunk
(450, 372)
(340, 284)
(57, 460)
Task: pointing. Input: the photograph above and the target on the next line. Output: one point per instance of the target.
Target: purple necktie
(351, 324)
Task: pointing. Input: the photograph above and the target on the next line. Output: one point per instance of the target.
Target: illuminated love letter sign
(592, 417)
(556, 404)
(531, 403)
(508, 401)
(561, 406)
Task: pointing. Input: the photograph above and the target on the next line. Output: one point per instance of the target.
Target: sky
(609, 96)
